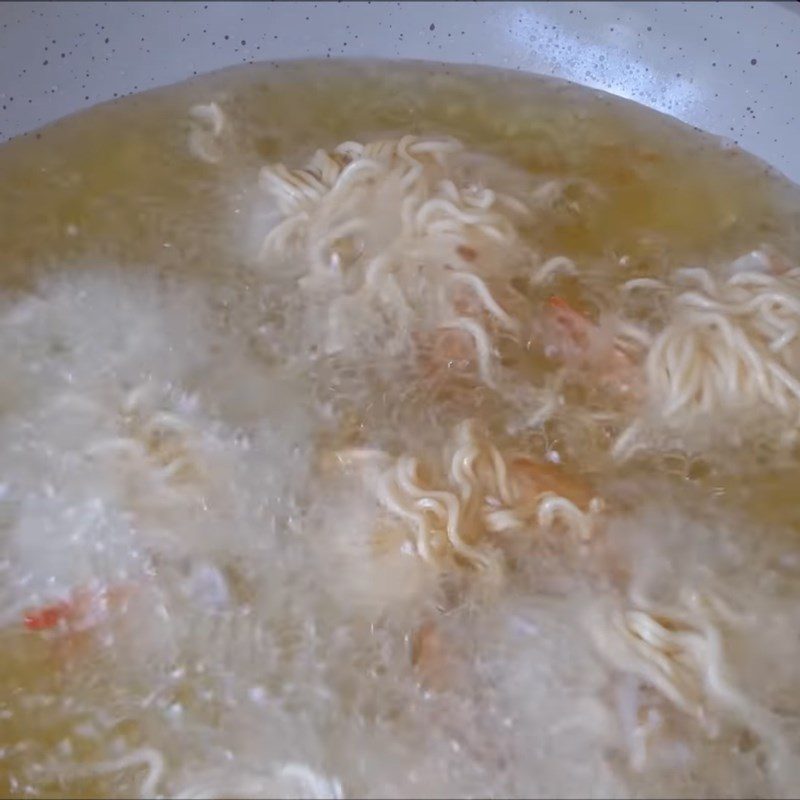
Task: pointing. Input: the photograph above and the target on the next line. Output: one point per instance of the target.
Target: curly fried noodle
(455, 507)
(680, 652)
(728, 342)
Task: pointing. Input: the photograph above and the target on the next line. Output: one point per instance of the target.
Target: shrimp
(570, 337)
(601, 557)
(446, 350)
(431, 657)
(70, 623)
(454, 349)
(533, 478)
(81, 611)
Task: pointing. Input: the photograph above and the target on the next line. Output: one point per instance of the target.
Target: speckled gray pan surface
(732, 68)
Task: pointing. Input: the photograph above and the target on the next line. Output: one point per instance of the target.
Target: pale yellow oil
(288, 671)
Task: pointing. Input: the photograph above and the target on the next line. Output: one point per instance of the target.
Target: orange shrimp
(567, 333)
(535, 477)
(466, 303)
(469, 254)
(571, 337)
(452, 350)
(607, 559)
(81, 611)
(446, 350)
(430, 657)
(46, 617)
(601, 557)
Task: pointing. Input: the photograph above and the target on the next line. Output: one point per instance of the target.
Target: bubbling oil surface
(253, 654)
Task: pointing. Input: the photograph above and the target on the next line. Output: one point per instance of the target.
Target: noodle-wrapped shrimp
(446, 350)
(482, 313)
(571, 337)
(538, 477)
(600, 556)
